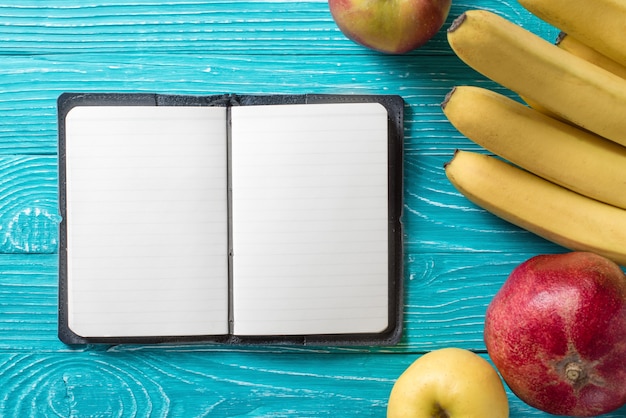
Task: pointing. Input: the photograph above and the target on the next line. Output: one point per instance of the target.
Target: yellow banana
(601, 24)
(563, 83)
(538, 107)
(553, 212)
(561, 153)
(578, 48)
(575, 47)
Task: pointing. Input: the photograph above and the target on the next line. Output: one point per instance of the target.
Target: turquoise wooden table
(456, 255)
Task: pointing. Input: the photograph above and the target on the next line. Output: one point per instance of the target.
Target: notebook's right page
(310, 219)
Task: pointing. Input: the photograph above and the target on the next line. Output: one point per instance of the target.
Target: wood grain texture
(28, 204)
(34, 83)
(456, 255)
(195, 26)
(203, 47)
(197, 384)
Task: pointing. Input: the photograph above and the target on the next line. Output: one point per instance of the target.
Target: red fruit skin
(558, 309)
(390, 26)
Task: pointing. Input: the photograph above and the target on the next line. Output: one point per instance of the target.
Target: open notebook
(235, 219)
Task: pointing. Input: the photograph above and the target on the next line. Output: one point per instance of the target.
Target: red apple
(390, 26)
(556, 331)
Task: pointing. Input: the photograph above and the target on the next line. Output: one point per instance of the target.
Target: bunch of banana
(573, 158)
(563, 83)
(567, 177)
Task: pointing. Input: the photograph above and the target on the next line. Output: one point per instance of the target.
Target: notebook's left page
(146, 221)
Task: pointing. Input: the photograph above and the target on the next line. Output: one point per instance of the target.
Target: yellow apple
(449, 383)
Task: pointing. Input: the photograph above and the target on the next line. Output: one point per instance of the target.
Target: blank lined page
(310, 219)
(146, 221)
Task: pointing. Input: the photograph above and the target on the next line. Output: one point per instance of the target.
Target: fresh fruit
(539, 108)
(601, 24)
(449, 383)
(539, 206)
(563, 83)
(390, 26)
(556, 331)
(575, 159)
(574, 46)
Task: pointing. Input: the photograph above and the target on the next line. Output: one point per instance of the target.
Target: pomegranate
(556, 331)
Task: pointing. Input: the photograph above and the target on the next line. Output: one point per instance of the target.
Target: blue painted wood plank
(29, 113)
(193, 26)
(195, 384)
(41, 60)
(28, 204)
(28, 120)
